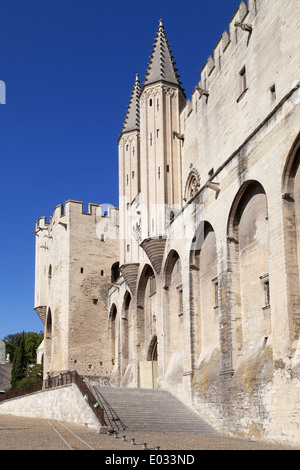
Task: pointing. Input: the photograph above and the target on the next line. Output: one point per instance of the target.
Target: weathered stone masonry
(204, 296)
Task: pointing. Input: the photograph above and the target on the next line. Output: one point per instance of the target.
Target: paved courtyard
(19, 433)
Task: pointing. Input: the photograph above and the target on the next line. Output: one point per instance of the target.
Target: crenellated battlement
(227, 39)
(238, 28)
(72, 206)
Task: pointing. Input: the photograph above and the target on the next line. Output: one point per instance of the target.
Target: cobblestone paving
(19, 433)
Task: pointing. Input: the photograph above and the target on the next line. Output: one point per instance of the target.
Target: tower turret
(161, 102)
(129, 171)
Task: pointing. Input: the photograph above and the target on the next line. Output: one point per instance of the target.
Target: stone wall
(64, 403)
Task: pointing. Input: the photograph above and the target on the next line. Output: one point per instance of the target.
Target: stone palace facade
(192, 284)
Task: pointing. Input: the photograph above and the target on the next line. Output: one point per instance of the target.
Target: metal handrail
(17, 392)
(56, 381)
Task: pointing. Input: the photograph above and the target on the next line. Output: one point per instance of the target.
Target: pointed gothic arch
(146, 309)
(291, 226)
(204, 284)
(173, 315)
(113, 335)
(48, 341)
(152, 349)
(126, 340)
(248, 258)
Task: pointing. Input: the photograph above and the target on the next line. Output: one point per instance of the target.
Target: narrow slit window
(273, 92)
(180, 301)
(215, 293)
(266, 291)
(243, 80)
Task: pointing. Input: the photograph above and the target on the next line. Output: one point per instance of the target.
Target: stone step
(148, 410)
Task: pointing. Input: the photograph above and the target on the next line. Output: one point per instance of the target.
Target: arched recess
(291, 226)
(115, 271)
(126, 338)
(204, 287)
(173, 318)
(113, 336)
(146, 310)
(152, 350)
(48, 341)
(248, 251)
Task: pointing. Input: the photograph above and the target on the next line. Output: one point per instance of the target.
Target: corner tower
(161, 102)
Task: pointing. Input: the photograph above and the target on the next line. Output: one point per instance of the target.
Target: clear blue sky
(69, 67)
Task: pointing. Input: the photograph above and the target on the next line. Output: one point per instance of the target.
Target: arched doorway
(148, 369)
(48, 342)
(113, 343)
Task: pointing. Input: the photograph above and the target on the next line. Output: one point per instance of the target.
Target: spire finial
(161, 65)
(132, 118)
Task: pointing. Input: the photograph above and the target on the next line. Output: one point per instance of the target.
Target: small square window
(95, 301)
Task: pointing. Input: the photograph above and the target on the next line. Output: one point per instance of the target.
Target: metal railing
(62, 379)
(18, 392)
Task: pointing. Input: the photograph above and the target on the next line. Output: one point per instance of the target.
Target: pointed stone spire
(161, 65)
(132, 118)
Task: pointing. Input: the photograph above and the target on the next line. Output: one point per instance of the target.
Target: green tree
(32, 342)
(19, 364)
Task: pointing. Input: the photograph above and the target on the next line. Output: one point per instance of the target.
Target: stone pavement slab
(20, 433)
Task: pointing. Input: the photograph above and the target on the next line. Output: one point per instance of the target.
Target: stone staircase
(146, 410)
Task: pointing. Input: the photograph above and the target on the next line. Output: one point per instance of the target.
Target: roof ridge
(132, 118)
(161, 65)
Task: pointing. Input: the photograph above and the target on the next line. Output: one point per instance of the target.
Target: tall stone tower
(161, 102)
(75, 255)
(150, 181)
(129, 175)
